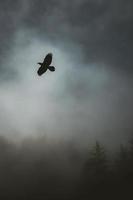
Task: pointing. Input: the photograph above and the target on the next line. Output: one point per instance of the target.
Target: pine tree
(96, 166)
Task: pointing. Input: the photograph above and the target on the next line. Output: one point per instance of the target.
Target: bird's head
(50, 54)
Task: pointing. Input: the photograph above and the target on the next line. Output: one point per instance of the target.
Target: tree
(96, 166)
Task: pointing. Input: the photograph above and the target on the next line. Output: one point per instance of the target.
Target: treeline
(39, 170)
(104, 177)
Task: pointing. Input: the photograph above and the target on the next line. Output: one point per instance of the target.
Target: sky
(89, 96)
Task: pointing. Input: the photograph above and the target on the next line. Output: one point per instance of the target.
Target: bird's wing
(48, 58)
(45, 59)
(51, 68)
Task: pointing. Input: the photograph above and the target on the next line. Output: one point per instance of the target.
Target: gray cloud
(103, 29)
(86, 95)
(47, 123)
(79, 101)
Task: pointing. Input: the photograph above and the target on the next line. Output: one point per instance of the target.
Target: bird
(46, 65)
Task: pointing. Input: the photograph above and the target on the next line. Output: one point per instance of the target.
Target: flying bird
(46, 65)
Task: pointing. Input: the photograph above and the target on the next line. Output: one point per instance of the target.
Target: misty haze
(66, 134)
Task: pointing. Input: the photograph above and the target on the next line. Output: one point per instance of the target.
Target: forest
(39, 170)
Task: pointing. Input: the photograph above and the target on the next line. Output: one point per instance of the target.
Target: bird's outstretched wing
(51, 68)
(48, 58)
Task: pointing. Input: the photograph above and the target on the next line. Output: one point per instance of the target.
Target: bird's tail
(51, 68)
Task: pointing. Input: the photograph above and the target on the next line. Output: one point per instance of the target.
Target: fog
(79, 101)
(52, 127)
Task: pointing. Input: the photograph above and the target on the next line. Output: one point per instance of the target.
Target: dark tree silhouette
(96, 165)
(38, 171)
(95, 172)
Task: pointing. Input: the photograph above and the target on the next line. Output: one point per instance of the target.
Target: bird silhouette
(46, 64)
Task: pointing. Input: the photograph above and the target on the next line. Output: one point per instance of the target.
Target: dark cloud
(103, 29)
(52, 119)
(92, 35)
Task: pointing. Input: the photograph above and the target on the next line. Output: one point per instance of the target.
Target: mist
(49, 123)
(80, 101)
